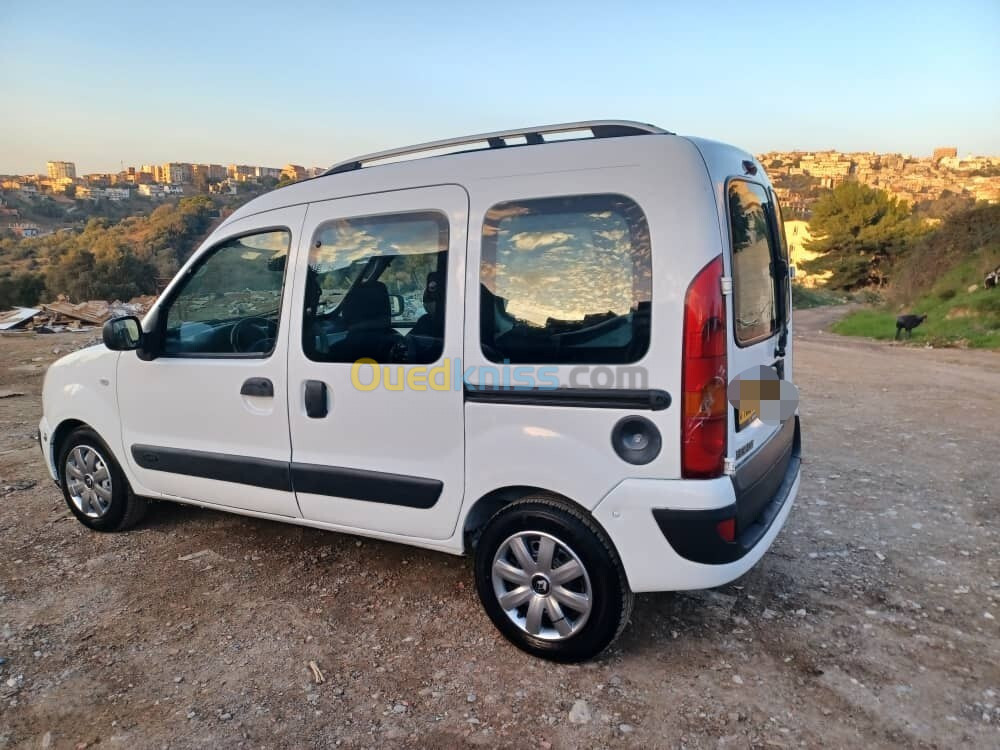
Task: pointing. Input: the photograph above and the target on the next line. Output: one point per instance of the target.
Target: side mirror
(123, 334)
(396, 305)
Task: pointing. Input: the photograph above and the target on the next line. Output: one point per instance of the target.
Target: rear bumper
(682, 556)
(761, 488)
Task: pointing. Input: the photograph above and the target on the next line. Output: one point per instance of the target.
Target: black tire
(125, 510)
(575, 533)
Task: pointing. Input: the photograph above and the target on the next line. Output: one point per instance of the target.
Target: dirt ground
(873, 621)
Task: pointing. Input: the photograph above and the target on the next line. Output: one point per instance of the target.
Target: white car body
(483, 454)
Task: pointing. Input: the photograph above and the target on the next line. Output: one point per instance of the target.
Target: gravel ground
(873, 621)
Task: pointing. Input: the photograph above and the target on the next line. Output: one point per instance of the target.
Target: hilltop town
(799, 176)
(154, 182)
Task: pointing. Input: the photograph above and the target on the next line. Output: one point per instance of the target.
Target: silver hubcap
(89, 481)
(541, 585)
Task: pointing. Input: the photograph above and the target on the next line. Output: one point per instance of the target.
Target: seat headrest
(367, 306)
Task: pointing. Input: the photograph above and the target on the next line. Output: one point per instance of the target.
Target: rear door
(759, 304)
(375, 386)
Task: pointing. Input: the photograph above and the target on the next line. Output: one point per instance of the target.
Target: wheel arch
(62, 431)
(489, 504)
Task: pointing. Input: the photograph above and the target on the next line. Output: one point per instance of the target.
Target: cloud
(535, 240)
(612, 235)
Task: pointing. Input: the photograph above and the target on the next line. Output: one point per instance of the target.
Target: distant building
(831, 168)
(293, 172)
(176, 173)
(943, 152)
(23, 228)
(59, 185)
(797, 234)
(240, 172)
(60, 169)
(151, 190)
(225, 187)
(268, 172)
(115, 194)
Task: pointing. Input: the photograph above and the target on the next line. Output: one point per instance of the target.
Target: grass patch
(959, 318)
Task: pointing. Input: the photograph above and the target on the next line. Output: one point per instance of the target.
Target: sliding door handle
(316, 399)
(257, 387)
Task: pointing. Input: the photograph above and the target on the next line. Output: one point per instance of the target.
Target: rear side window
(565, 280)
(754, 305)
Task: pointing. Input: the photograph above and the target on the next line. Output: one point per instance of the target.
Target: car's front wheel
(551, 581)
(94, 486)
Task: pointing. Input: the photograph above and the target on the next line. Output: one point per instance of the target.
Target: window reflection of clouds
(561, 259)
(346, 241)
(275, 243)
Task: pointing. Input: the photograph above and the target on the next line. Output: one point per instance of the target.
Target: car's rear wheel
(94, 486)
(551, 581)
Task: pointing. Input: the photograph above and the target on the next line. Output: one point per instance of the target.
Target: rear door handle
(257, 387)
(316, 399)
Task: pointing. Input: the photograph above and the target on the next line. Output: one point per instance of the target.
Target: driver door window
(230, 302)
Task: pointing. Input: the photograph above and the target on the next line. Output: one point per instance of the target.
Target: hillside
(107, 257)
(941, 276)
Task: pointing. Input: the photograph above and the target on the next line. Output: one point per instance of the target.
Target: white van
(514, 345)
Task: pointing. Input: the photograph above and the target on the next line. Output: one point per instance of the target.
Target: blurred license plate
(745, 417)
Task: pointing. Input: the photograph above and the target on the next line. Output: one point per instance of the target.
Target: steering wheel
(253, 334)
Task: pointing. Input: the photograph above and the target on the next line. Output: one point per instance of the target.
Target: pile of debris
(63, 315)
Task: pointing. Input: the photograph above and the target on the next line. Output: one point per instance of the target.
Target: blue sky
(312, 83)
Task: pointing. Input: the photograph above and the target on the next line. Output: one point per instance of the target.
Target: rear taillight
(704, 421)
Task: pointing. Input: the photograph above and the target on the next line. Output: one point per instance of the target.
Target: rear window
(779, 221)
(565, 280)
(754, 305)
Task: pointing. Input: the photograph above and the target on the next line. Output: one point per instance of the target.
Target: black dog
(992, 278)
(908, 323)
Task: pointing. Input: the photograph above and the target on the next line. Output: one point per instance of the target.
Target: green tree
(859, 232)
(123, 276)
(73, 275)
(21, 290)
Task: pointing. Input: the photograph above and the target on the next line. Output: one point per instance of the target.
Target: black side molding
(649, 399)
(371, 486)
(258, 472)
(331, 481)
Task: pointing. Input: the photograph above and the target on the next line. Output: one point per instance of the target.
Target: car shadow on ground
(660, 623)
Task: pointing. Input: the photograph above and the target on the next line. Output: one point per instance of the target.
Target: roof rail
(498, 139)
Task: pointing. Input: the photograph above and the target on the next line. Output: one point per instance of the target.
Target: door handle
(257, 387)
(316, 399)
